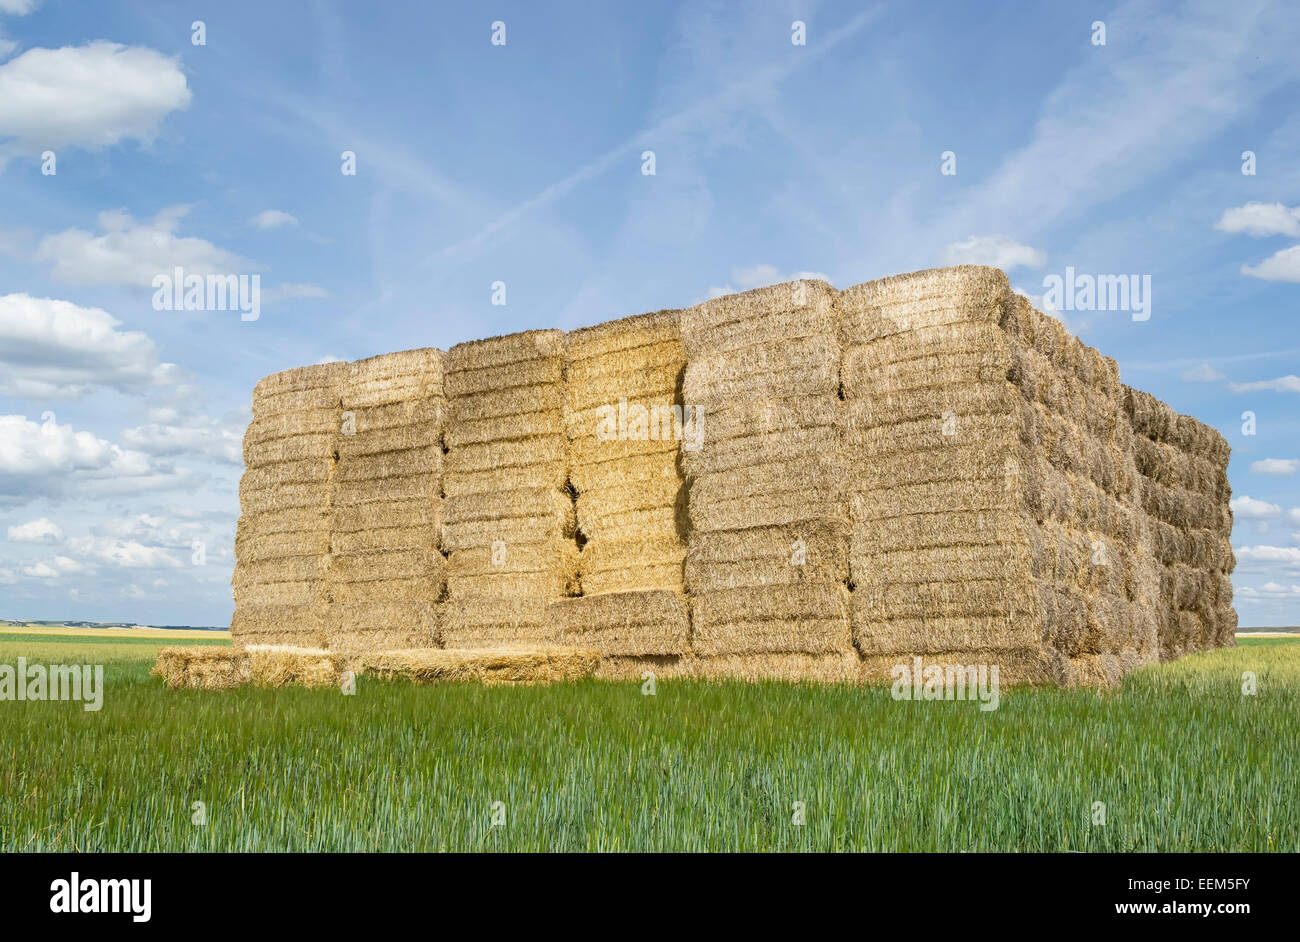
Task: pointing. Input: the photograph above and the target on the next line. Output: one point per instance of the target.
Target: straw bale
(413, 436)
(276, 619)
(888, 306)
(416, 617)
(1157, 421)
(1031, 664)
(627, 363)
(499, 351)
(518, 664)
(818, 445)
(422, 537)
(812, 618)
(479, 535)
(292, 592)
(419, 513)
(788, 311)
(535, 372)
(411, 487)
(291, 425)
(282, 521)
(295, 402)
(620, 381)
(428, 587)
(813, 551)
(588, 450)
(626, 333)
(277, 393)
(623, 623)
(493, 456)
(548, 570)
(282, 569)
(207, 667)
(527, 425)
(314, 471)
(741, 418)
(1184, 508)
(282, 498)
(306, 542)
(1169, 466)
(874, 407)
(481, 622)
(384, 564)
(287, 665)
(391, 464)
(774, 509)
(501, 403)
(541, 474)
(590, 478)
(290, 448)
(810, 365)
(393, 377)
(537, 502)
(790, 667)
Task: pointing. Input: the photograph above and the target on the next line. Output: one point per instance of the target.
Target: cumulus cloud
(57, 349)
(1281, 384)
(1283, 265)
(40, 530)
(1276, 466)
(997, 250)
(1253, 509)
(1287, 558)
(1202, 373)
(127, 252)
(759, 276)
(50, 459)
(1261, 219)
(89, 96)
(176, 430)
(126, 554)
(53, 568)
(272, 219)
(18, 7)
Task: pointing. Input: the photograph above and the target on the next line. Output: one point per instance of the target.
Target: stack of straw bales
(992, 485)
(1184, 491)
(509, 523)
(767, 560)
(387, 572)
(624, 423)
(282, 541)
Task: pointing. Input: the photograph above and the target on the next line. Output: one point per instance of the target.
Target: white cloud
(18, 7)
(1283, 265)
(53, 568)
(1293, 515)
(88, 96)
(1281, 384)
(50, 459)
(760, 276)
(1261, 219)
(56, 349)
(1286, 555)
(127, 252)
(1203, 373)
(290, 291)
(329, 358)
(40, 530)
(1253, 509)
(998, 251)
(1275, 466)
(127, 554)
(175, 431)
(272, 219)
(1270, 590)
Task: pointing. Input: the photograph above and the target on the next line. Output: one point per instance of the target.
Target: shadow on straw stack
(509, 518)
(1184, 492)
(387, 572)
(767, 559)
(625, 425)
(282, 540)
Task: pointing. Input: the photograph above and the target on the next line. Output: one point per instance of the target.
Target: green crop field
(1180, 758)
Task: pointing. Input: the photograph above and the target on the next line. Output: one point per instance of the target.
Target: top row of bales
(792, 481)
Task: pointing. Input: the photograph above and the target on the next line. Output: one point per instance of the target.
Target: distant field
(1181, 759)
(177, 634)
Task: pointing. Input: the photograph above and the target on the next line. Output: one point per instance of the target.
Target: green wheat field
(1180, 758)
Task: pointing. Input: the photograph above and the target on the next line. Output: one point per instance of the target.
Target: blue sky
(521, 163)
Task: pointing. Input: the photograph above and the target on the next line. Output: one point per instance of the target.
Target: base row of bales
(793, 482)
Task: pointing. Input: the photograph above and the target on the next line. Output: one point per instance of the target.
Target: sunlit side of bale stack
(387, 572)
(509, 523)
(767, 560)
(282, 541)
(625, 424)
